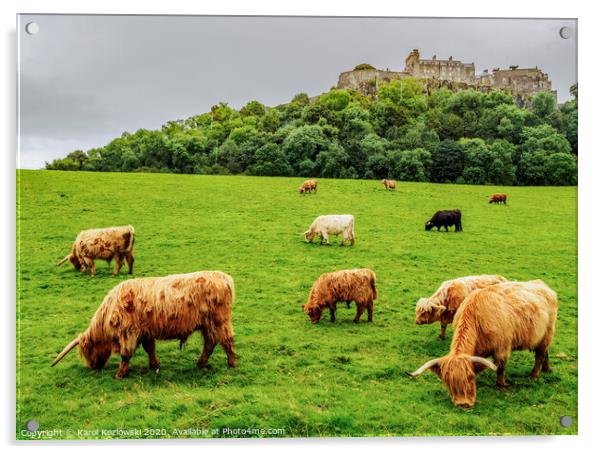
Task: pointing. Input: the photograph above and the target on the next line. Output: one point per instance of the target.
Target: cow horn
(425, 366)
(66, 350)
(485, 362)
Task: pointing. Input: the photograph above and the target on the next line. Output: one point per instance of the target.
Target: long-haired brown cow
(444, 303)
(104, 244)
(389, 184)
(357, 285)
(139, 311)
(308, 186)
(495, 321)
(498, 198)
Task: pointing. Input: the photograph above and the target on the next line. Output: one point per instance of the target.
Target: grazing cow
(332, 224)
(445, 219)
(105, 244)
(357, 285)
(389, 184)
(139, 311)
(442, 306)
(498, 198)
(495, 321)
(308, 186)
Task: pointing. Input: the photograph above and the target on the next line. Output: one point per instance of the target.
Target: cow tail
(132, 235)
(64, 260)
(373, 285)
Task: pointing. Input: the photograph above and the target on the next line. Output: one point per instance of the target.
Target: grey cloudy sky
(86, 79)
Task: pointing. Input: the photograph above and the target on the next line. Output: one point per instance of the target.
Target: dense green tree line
(463, 137)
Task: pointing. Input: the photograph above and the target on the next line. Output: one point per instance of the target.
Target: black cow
(445, 219)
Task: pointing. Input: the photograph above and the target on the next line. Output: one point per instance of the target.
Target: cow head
(309, 236)
(458, 372)
(75, 261)
(428, 311)
(429, 225)
(314, 312)
(95, 353)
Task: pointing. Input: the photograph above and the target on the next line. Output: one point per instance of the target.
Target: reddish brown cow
(498, 198)
(357, 285)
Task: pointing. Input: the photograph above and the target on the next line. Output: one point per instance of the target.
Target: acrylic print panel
(296, 227)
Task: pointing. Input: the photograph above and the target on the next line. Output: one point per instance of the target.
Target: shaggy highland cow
(139, 311)
(332, 224)
(389, 184)
(346, 285)
(442, 306)
(495, 321)
(104, 244)
(308, 186)
(498, 198)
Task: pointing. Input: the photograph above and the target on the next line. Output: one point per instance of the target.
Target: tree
(304, 143)
(543, 104)
(561, 169)
(332, 163)
(410, 165)
(448, 162)
(270, 161)
(253, 108)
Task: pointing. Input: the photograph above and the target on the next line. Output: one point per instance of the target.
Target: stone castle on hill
(454, 74)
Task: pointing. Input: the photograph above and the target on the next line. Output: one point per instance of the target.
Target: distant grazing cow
(498, 198)
(445, 219)
(105, 244)
(389, 184)
(138, 311)
(308, 186)
(357, 285)
(332, 224)
(495, 321)
(442, 306)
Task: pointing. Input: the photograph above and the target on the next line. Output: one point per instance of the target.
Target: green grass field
(338, 379)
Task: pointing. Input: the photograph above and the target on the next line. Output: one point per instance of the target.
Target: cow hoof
(118, 376)
(157, 370)
(203, 366)
(501, 385)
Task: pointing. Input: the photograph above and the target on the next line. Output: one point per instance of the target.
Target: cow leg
(332, 312)
(130, 260)
(208, 347)
(118, 264)
(360, 311)
(228, 346)
(442, 332)
(352, 239)
(149, 347)
(539, 358)
(370, 310)
(325, 238)
(501, 377)
(123, 367)
(546, 363)
(90, 264)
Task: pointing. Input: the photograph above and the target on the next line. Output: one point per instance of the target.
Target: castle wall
(366, 80)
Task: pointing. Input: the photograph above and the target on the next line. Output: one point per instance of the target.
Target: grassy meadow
(340, 379)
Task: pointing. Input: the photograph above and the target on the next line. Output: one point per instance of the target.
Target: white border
(589, 207)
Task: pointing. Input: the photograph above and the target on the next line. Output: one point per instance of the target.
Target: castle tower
(413, 63)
